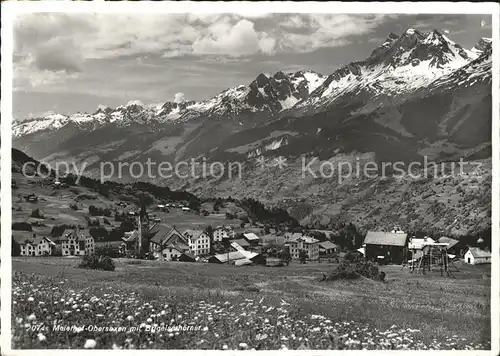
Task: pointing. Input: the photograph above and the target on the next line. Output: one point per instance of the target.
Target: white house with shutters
(36, 246)
(298, 242)
(76, 243)
(198, 242)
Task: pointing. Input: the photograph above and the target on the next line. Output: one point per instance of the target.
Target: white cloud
(59, 54)
(236, 40)
(179, 97)
(331, 30)
(75, 38)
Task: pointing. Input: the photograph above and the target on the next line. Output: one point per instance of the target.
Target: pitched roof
(293, 236)
(132, 236)
(451, 242)
(386, 238)
(242, 242)
(81, 235)
(231, 256)
(327, 245)
(160, 233)
(477, 252)
(251, 236)
(169, 235)
(39, 239)
(235, 255)
(305, 239)
(243, 261)
(193, 234)
(177, 245)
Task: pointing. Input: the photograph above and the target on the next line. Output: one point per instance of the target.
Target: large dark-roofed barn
(389, 245)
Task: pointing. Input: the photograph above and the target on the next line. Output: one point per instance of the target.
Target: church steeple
(143, 227)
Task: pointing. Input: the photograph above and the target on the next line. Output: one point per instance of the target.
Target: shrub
(107, 263)
(107, 250)
(73, 206)
(353, 266)
(35, 213)
(98, 233)
(104, 263)
(97, 211)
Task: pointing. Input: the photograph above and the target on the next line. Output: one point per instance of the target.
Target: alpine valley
(417, 95)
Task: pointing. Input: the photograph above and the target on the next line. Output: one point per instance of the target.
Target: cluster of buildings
(167, 243)
(398, 247)
(71, 243)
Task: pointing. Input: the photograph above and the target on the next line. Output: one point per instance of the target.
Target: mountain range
(417, 94)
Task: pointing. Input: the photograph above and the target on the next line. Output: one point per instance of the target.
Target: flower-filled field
(54, 313)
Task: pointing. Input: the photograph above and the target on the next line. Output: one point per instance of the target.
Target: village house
(27, 248)
(221, 233)
(476, 256)
(198, 242)
(76, 243)
(251, 237)
(327, 248)
(36, 246)
(298, 242)
(44, 246)
(167, 243)
(386, 246)
(130, 244)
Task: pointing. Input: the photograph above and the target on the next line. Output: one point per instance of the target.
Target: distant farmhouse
(476, 256)
(251, 237)
(386, 246)
(327, 248)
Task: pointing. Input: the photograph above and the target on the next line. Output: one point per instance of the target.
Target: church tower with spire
(143, 229)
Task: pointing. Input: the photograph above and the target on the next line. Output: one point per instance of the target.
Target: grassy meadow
(249, 307)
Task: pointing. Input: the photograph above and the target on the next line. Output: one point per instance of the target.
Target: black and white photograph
(217, 176)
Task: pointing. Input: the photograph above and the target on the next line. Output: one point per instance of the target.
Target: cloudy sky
(75, 62)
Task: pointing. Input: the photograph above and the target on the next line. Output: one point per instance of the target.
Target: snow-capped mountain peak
(481, 46)
(400, 65)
